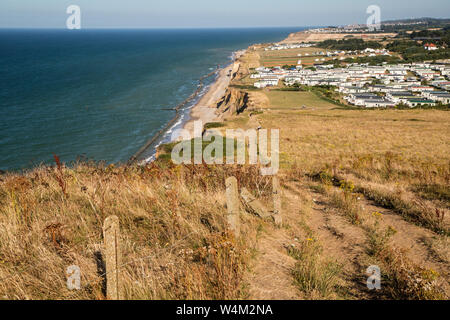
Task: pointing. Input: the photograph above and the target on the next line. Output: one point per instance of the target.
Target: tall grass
(314, 276)
(175, 239)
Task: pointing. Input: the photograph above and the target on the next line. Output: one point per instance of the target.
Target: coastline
(169, 126)
(205, 109)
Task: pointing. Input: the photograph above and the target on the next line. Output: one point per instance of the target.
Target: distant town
(399, 84)
(373, 76)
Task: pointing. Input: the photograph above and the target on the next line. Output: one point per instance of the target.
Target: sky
(210, 13)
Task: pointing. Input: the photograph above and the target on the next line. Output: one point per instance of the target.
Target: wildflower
(391, 231)
(377, 214)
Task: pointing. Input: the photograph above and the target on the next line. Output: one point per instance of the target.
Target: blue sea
(102, 94)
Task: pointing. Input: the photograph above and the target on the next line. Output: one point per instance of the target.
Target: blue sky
(210, 13)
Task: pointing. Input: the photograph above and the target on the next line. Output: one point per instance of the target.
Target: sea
(102, 94)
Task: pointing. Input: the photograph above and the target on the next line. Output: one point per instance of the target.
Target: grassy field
(289, 56)
(174, 238)
(382, 177)
(386, 172)
(294, 99)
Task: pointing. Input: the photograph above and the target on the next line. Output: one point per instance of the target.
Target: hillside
(360, 188)
(175, 242)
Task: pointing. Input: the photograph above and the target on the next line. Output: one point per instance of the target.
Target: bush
(349, 44)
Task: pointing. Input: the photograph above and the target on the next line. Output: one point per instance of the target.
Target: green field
(295, 99)
(289, 57)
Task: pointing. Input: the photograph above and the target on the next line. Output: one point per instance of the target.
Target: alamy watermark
(74, 20)
(209, 147)
(73, 278)
(374, 281)
(374, 20)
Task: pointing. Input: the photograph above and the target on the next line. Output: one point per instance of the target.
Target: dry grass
(314, 275)
(439, 247)
(175, 241)
(399, 163)
(394, 159)
(411, 208)
(290, 56)
(403, 278)
(348, 203)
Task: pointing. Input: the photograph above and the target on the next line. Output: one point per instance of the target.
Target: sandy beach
(205, 109)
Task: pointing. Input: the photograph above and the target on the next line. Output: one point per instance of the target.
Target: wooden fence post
(111, 236)
(277, 214)
(233, 205)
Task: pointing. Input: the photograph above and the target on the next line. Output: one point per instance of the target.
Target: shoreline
(205, 109)
(170, 125)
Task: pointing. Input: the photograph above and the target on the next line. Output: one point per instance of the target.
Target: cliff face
(236, 101)
(233, 102)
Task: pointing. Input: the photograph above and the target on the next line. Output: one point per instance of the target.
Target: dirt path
(270, 277)
(344, 243)
(341, 241)
(417, 243)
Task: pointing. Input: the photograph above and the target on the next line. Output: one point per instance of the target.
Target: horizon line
(147, 28)
(212, 27)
